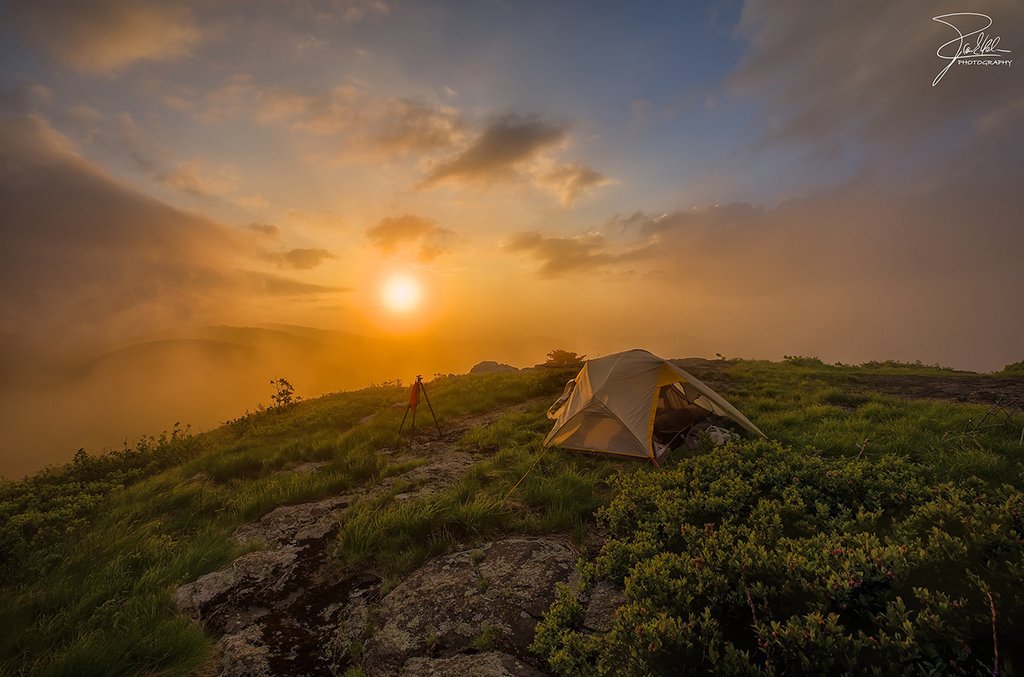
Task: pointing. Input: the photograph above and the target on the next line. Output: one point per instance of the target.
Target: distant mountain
(206, 375)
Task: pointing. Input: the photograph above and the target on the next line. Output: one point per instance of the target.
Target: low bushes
(756, 560)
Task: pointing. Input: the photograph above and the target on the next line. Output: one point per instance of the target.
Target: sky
(748, 178)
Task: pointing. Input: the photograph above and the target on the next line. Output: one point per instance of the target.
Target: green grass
(558, 492)
(814, 410)
(92, 595)
(94, 551)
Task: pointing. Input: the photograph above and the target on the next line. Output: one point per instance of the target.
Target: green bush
(1013, 369)
(44, 510)
(755, 560)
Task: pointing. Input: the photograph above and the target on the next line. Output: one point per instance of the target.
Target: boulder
(492, 367)
(487, 599)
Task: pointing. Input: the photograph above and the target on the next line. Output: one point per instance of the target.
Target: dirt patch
(959, 388)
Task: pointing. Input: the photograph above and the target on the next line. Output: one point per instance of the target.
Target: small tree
(564, 357)
(284, 393)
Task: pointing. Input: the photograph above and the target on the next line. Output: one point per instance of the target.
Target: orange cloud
(395, 232)
(103, 36)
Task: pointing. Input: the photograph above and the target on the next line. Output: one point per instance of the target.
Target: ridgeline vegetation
(873, 533)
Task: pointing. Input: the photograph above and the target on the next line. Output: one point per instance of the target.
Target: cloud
(192, 177)
(926, 267)
(267, 284)
(347, 11)
(24, 98)
(568, 182)
(104, 261)
(360, 126)
(305, 259)
(584, 254)
(119, 138)
(396, 232)
(505, 143)
(368, 127)
(104, 36)
(265, 229)
(832, 78)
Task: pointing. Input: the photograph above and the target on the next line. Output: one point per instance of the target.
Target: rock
(492, 367)
(599, 613)
(294, 524)
(487, 664)
(306, 468)
(222, 600)
(244, 654)
(491, 595)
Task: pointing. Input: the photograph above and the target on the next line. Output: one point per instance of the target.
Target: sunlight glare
(401, 293)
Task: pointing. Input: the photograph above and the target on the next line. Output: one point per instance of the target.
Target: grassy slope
(97, 600)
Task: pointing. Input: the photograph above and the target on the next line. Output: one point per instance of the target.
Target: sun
(401, 293)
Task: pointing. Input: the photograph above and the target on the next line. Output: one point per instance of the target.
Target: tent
(625, 403)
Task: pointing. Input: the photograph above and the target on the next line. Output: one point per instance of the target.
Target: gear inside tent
(635, 404)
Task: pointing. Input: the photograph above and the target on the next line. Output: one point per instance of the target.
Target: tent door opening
(673, 418)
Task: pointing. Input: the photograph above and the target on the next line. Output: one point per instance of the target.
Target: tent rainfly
(617, 403)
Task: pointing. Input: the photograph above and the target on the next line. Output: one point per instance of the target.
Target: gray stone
(224, 599)
(244, 654)
(487, 664)
(293, 524)
(497, 591)
(599, 613)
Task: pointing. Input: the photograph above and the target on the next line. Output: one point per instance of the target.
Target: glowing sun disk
(401, 293)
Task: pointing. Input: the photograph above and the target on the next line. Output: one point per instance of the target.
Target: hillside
(206, 375)
(879, 529)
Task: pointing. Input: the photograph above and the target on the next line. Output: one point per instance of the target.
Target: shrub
(755, 560)
(1013, 369)
(801, 361)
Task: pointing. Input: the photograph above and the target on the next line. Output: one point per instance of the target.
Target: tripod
(414, 400)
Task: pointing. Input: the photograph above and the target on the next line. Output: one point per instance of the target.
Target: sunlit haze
(198, 197)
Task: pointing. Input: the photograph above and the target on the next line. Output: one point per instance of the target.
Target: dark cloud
(86, 259)
(104, 35)
(833, 78)
(23, 98)
(505, 143)
(409, 230)
(305, 259)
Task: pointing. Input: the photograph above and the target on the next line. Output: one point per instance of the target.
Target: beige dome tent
(622, 403)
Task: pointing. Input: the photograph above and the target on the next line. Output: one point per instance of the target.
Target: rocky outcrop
(492, 367)
(281, 610)
(480, 599)
(289, 609)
